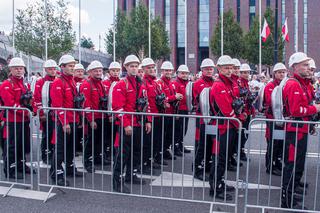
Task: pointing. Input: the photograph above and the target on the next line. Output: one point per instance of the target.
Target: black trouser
(128, 144)
(168, 132)
(153, 146)
(274, 148)
(110, 132)
(180, 128)
(244, 136)
(220, 153)
(203, 150)
(94, 142)
(294, 160)
(16, 146)
(63, 150)
(47, 134)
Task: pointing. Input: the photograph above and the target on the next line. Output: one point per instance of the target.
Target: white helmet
(78, 67)
(224, 60)
(183, 68)
(140, 67)
(131, 59)
(245, 67)
(312, 64)
(297, 57)
(147, 61)
(167, 65)
(236, 62)
(94, 65)
(66, 59)
(207, 63)
(50, 63)
(16, 62)
(279, 66)
(114, 65)
(317, 74)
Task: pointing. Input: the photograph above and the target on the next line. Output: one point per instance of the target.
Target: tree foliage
(30, 29)
(86, 42)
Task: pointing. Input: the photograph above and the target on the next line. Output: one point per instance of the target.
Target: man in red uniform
(114, 77)
(129, 95)
(46, 123)
(274, 146)
(248, 99)
(172, 100)
(297, 100)
(63, 94)
(16, 127)
(95, 99)
(181, 124)
(224, 103)
(203, 142)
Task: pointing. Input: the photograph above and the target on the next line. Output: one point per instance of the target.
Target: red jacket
(167, 88)
(235, 82)
(124, 96)
(268, 89)
(37, 95)
(107, 83)
(221, 98)
(153, 89)
(12, 89)
(62, 93)
(248, 108)
(92, 89)
(297, 98)
(179, 86)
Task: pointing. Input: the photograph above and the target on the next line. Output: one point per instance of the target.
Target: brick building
(202, 17)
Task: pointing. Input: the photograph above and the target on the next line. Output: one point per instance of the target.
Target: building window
(305, 25)
(152, 8)
(283, 10)
(238, 11)
(268, 3)
(204, 23)
(180, 23)
(252, 11)
(167, 16)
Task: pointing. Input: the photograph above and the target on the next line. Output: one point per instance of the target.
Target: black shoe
(145, 170)
(275, 172)
(296, 205)
(121, 188)
(106, 162)
(186, 150)
(233, 162)
(243, 156)
(160, 162)
(231, 168)
(14, 176)
(177, 152)
(27, 170)
(71, 173)
(220, 195)
(168, 156)
(300, 191)
(199, 175)
(302, 185)
(90, 168)
(135, 180)
(60, 181)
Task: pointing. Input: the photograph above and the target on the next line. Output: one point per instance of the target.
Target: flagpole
(114, 30)
(80, 31)
(46, 29)
(260, 36)
(185, 34)
(149, 29)
(296, 27)
(276, 34)
(13, 30)
(221, 15)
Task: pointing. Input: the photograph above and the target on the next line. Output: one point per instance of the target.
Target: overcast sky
(96, 16)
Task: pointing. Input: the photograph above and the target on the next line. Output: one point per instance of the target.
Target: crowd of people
(233, 93)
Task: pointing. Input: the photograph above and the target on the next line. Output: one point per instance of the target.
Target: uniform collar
(301, 80)
(67, 77)
(111, 78)
(77, 80)
(225, 79)
(16, 79)
(181, 80)
(95, 80)
(49, 78)
(165, 79)
(207, 78)
(149, 77)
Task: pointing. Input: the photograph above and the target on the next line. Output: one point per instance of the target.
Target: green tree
(232, 37)
(251, 40)
(86, 43)
(132, 36)
(30, 33)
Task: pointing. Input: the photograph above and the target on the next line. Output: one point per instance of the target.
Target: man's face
(303, 70)
(79, 73)
(17, 71)
(280, 74)
(183, 75)
(68, 69)
(245, 74)
(114, 73)
(96, 73)
(132, 69)
(150, 70)
(226, 70)
(207, 71)
(167, 73)
(236, 71)
(51, 71)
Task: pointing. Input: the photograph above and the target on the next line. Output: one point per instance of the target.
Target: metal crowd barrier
(16, 168)
(282, 172)
(136, 164)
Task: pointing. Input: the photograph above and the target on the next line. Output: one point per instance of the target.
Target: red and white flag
(285, 33)
(265, 31)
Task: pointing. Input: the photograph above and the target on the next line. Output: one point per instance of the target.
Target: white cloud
(74, 15)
